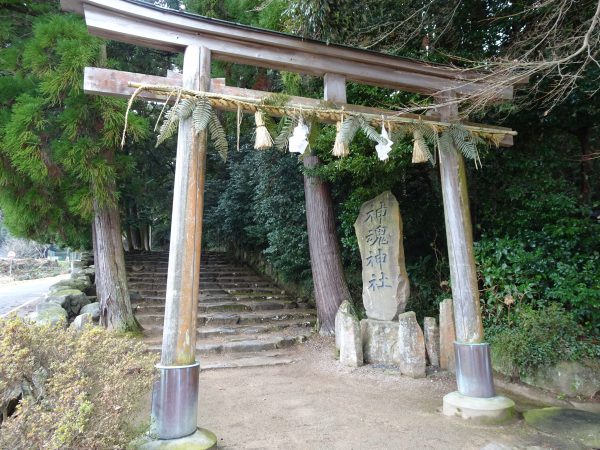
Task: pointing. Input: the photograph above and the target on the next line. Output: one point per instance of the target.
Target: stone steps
(207, 331)
(251, 359)
(244, 320)
(222, 306)
(227, 318)
(241, 344)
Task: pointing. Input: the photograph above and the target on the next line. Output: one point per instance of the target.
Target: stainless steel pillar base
(474, 375)
(175, 401)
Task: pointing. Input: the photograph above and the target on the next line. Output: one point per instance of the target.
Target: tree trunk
(111, 278)
(325, 257)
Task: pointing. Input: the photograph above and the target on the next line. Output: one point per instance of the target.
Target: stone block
(432, 340)
(349, 333)
(49, 314)
(411, 346)
(81, 321)
(93, 309)
(385, 281)
(72, 300)
(380, 342)
(447, 335)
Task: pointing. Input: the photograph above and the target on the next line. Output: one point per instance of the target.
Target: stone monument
(385, 281)
(388, 336)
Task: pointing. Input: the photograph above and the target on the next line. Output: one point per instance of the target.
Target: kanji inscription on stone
(385, 281)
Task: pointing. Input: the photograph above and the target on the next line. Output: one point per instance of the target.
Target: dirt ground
(316, 403)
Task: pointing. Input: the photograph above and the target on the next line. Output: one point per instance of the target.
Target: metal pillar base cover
(474, 375)
(175, 401)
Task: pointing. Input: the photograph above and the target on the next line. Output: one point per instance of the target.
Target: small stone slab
(348, 327)
(411, 346)
(580, 426)
(385, 281)
(447, 335)
(432, 340)
(380, 342)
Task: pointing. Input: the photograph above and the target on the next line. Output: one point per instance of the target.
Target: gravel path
(318, 404)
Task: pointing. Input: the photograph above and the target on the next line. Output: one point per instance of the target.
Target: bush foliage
(82, 390)
(538, 338)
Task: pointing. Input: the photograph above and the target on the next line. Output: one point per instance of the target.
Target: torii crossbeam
(201, 39)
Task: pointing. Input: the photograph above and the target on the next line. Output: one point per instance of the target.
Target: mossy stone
(580, 426)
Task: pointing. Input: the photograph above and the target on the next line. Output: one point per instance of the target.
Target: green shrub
(80, 390)
(537, 338)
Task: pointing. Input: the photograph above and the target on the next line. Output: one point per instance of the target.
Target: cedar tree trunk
(325, 257)
(111, 278)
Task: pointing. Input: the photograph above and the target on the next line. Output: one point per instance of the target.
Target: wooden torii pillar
(201, 39)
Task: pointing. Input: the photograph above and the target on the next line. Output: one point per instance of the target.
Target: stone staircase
(244, 319)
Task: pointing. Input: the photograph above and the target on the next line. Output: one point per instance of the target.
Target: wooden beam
(459, 235)
(181, 305)
(115, 83)
(146, 25)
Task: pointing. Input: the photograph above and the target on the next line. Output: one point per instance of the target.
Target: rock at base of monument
(491, 411)
(411, 346)
(447, 335)
(380, 342)
(200, 440)
(349, 335)
(432, 340)
(392, 343)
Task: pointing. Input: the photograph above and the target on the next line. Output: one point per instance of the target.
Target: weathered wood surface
(323, 242)
(179, 334)
(115, 83)
(149, 26)
(111, 280)
(459, 234)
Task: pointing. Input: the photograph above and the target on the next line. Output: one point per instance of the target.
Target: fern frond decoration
(169, 126)
(370, 132)
(348, 130)
(201, 114)
(352, 124)
(465, 142)
(185, 108)
(218, 136)
(286, 129)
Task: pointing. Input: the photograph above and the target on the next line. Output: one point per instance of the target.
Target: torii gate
(201, 39)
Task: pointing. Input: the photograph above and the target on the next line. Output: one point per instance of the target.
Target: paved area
(24, 294)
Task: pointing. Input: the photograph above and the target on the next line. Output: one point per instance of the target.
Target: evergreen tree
(59, 163)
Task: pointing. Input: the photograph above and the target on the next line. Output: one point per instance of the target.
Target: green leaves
(218, 136)
(203, 116)
(352, 124)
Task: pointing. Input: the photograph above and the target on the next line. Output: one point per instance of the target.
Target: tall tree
(59, 153)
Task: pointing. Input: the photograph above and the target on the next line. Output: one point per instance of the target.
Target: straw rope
(325, 113)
